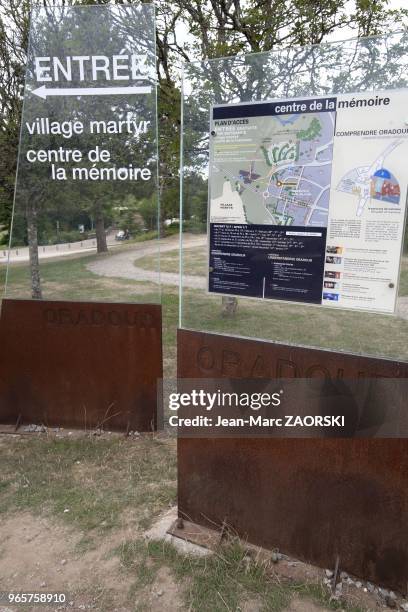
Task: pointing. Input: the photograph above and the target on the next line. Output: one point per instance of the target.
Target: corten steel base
(313, 499)
(80, 364)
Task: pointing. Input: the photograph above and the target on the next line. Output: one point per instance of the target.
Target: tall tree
(14, 25)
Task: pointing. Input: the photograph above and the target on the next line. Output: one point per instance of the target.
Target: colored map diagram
(275, 170)
(372, 181)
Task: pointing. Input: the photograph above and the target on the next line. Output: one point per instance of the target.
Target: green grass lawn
(194, 261)
(87, 476)
(357, 332)
(403, 284)
(343, 330)
(67, 278)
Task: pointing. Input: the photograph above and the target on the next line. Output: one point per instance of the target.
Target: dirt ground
(86, 517)
(38, 554)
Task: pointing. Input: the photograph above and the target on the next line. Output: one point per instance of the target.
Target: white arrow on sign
(43, 91)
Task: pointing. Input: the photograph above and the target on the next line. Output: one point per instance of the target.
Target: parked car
(122, 235)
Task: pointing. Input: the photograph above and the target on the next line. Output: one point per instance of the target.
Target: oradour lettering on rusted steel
(315, 499)
(76, 364)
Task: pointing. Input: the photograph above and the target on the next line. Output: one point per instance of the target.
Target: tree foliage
(187, 30)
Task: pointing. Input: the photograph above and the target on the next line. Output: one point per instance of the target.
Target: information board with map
(307, 199)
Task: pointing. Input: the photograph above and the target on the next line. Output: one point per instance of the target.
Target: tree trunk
(229, 306)
(101, 245)
(32, 234)
(159, 225)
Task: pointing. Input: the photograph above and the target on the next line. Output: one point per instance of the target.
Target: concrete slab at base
(162, 530)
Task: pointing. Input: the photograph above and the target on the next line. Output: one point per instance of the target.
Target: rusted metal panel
(80, 364)
(214, 355)
(311, 498)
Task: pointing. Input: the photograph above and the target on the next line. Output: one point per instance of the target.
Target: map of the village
(273, 170)
(372, 181)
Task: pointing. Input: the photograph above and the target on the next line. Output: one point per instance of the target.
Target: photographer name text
(258, 421)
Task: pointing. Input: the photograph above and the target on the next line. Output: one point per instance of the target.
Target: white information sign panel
(308, 198)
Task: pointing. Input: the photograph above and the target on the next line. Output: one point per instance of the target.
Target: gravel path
(122, 265)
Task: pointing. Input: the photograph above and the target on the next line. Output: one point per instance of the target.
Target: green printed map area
(275, 170)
